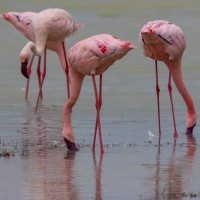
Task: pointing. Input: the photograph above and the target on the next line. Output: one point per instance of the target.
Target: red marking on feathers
(151, 30)
(103, 48)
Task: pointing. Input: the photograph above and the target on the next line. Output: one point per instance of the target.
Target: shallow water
(39, 166)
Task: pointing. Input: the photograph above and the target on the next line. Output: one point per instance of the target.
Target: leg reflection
(180, 169)
(98, 175)
(172, 177)
(71, 189)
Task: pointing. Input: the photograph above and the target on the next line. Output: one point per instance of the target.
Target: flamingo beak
(24, 70)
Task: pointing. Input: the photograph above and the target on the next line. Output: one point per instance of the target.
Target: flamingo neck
(25, 53)
(176, 72)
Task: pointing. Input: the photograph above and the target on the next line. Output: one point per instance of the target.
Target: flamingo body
(48, 25)
(45, 29)
(164, 41)
(91, 56)
(95, 54)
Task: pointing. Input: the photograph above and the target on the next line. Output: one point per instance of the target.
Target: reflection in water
(178, 167)
(58, 178)
(47, 174)
(34, 132)
(171, 181)
(71, 190)
(49, 182)
(34, 125)
(174, 183)
(41, 130)
(157, 175)
(98, 175)
(51, 178)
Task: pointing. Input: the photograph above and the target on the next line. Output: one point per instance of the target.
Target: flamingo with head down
(45, 29)
(91, 56)
(164, 41)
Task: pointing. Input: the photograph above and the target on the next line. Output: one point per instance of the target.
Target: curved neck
(29, 48)
(175, 69)
(25, 52)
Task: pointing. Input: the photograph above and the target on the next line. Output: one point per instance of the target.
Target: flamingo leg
(29, 74)
(41, 80)
(98, 98)
(39, 72)
(158, 99)
(66, 69)
(172, 105)
(95, 134)
(95, 130)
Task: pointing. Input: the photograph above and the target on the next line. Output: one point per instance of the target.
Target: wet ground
(34, 162)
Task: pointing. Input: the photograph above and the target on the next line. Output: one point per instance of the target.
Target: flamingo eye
(18, 18)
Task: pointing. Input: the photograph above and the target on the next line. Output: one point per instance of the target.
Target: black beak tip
(143, 40)
(189, 131)
(24, 70)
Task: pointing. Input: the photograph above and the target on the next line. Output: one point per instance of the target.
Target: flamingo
(164, 41)
(91, 56)
(45, 29)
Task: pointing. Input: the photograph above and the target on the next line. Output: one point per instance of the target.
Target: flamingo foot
(189, 131)
(175, 135)
(70, 145)
(24, 69)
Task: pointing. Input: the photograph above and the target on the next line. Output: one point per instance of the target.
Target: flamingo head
(24, 57)
(162, 40)
(14, 18)
(22, 22)
(24, 69)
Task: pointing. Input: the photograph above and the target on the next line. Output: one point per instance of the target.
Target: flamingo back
(95, 54)
(56, 23)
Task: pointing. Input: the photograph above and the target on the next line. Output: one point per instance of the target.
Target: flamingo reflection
(179, 167)
(171, 179)
(50, 178)
(98, 175)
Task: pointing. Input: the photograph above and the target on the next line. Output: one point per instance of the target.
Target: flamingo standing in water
(45, 29)
(91, 56)
(164, 41)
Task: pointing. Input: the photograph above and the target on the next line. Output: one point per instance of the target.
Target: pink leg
(41, 80)
(39, 72)
(98, 107)
(66, 69)
(158, 100)
(99, 103)
(172, 105)
(29, 74)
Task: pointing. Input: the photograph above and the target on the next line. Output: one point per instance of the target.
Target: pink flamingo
(91, 56)
(45, 29)
(164, 41)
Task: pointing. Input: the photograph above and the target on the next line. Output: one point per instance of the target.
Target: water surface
(39, 166)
